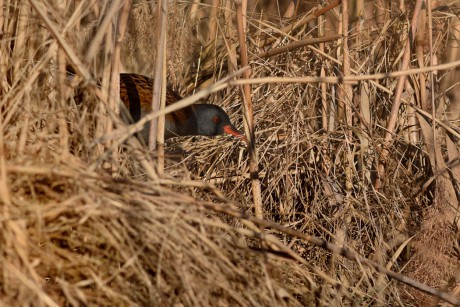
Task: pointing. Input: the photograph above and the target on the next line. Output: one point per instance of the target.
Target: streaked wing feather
(136, 93)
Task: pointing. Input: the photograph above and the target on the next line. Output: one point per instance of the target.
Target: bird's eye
(216, 119)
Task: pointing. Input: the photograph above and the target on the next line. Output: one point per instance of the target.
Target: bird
(197, 119)
(136, 93)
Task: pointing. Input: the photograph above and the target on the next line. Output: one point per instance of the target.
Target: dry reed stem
(353, 79)
(63, 96)
(297, 44)
(162, 121)
(114, 89)
(345, 94)
(157, 125)
(397, 97)
(324, 104)
(158, 83)
(104, 124)
(4, 189)
(248, 112)
(211, 35)
(344, 115)
(420, 39)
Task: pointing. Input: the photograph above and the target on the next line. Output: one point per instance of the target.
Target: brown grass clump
(358, 172)
(91, 239)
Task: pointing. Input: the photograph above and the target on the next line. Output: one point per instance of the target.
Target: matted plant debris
(359, 197)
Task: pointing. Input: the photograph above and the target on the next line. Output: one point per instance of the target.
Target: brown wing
(136, 93)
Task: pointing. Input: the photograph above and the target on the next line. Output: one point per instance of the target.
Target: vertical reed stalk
(391, 124)
(248, 112)
(114, 89)
(159, 87)
(324, 102)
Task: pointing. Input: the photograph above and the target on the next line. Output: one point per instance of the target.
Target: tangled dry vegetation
(348, 198)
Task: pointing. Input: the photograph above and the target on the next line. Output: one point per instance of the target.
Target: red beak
(230, 129)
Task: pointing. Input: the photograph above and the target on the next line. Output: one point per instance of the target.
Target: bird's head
(212, 120)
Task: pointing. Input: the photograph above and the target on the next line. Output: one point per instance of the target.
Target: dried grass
(77, 230)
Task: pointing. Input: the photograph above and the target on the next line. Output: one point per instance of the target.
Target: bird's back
(136, 92)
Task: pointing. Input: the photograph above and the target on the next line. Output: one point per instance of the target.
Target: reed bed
(340, 198)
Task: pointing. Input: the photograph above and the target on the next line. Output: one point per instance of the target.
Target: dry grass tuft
(85, 223)
(92, 239)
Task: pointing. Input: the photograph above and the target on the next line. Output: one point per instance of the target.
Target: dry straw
(88, 218)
